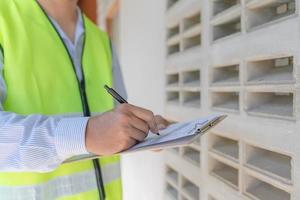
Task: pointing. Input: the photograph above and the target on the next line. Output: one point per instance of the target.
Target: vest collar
(32, 10)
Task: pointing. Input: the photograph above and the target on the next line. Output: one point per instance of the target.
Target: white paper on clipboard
(177, 134)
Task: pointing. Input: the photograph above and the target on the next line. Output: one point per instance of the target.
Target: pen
(115, 95)
(119, 98)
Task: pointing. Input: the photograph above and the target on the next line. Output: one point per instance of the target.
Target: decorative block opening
(226, 29)
(173, 97)
(261, 12)
(273, 104)
(174, 48)
(257, 189)
(222, 5)
(173, 31)
(172, 192)
(227, 101)
(278, 70)
(224, 173)
(273, 164)
(172, 79)
(225, 75)
(191, 78)
(191, 99)
(192, 155)
(191, 189)
(192, 21)
(225, 147)
(172, 175)
(191, 42)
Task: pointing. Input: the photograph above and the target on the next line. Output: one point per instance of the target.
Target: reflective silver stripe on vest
(111, 172)
(61, 186)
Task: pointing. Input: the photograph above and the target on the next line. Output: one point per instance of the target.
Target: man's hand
(120, 129)
(161, 122)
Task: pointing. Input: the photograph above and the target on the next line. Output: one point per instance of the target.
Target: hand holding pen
(120, 128)
(121, 100)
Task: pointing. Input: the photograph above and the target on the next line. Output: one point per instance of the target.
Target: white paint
(141, 53)
(141, 50)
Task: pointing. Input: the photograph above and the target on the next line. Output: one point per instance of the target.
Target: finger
(145, 115)
(137, 134)
(153, 126)
(141, 113)
(162, 123)
(139, 124)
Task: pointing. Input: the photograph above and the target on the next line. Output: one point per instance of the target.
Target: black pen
(115, 95)
(119, 98)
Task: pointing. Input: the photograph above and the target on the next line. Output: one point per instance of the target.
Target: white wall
(142, 58)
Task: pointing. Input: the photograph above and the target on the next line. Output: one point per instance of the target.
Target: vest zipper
(96, 163)
(83, 97)
(85, 106)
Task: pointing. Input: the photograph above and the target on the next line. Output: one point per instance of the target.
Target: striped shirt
(39, 143)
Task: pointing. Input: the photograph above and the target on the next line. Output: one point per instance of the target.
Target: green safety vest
(40, 79)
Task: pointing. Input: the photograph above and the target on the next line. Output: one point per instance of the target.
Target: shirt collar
(79, 30)
(79, 26)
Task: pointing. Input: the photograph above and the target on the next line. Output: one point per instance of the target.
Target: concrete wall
(247, 53)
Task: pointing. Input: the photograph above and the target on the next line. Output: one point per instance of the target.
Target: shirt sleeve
(37, 143)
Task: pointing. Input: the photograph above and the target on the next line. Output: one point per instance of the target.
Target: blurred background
(190, 58)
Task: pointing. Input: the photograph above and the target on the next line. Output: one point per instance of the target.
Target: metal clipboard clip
(209, 125)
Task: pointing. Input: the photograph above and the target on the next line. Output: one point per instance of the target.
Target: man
(54, 63)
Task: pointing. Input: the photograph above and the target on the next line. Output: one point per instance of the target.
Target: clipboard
(189, 131)
(175, 135)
